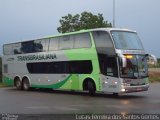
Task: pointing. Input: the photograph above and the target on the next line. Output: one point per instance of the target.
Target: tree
(86, 20)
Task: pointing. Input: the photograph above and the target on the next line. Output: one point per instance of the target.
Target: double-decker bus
(96, 60)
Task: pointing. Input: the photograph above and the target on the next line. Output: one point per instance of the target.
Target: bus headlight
(123, 90)
(116, 82)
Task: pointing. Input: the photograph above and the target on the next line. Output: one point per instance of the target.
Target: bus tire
(18, 84)
(25, 84)
(115, 94)
(91, 88)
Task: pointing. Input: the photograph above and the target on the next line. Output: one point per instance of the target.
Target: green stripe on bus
(54, 86)
(8, 81)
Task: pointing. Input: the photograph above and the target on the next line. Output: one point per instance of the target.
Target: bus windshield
(126, 40)
(136, 67)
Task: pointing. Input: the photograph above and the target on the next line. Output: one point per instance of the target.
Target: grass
(2, 85)
(154, 76)
(154, 79)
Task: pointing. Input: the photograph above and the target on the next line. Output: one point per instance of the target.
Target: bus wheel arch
(17, 83)
(89, 85)
(25, 83)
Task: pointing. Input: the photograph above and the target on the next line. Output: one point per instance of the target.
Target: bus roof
(89, 30)
(81, 31)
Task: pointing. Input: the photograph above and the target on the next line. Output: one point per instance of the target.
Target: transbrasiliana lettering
(37, 57)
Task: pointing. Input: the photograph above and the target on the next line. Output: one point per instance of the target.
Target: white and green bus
(96, 60)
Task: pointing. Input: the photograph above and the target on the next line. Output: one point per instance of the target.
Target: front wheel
(115, 94)
(91, 88)
(25, 84)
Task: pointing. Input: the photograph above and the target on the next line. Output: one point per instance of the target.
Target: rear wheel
(18, 84)
(25, 84)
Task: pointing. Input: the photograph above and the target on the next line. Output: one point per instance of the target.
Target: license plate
(138, 89)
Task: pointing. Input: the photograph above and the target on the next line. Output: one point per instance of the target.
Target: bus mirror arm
(124, 62)
(145, 56)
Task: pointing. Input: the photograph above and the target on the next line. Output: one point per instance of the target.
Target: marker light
(105, 82)
(129, 56)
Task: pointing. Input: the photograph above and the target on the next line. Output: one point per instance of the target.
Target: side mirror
(145, 56)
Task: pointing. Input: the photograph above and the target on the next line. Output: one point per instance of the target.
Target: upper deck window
(81, 40)
(126, 40)
(102, 39)
(103, 42)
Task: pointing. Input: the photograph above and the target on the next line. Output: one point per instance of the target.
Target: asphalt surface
(13, 101)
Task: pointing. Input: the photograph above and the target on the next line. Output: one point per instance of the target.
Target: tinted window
(58, 43)
(27, 47)
(103, 43)
(80, 67)
(53, 44)
(63, 67)
(82, 40)
(66, 42)
(7, 49)
(102, 39)
(108, 65)
(11, 49)
(16, 48)
(35, 46)
(41, 45)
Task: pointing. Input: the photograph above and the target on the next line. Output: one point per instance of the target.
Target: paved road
(52, 102)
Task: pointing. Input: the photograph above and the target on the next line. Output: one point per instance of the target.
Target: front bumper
(129, 89)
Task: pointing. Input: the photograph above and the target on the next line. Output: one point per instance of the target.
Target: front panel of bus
(133, 69)
(122, 61)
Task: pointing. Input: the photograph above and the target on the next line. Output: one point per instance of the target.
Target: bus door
(109, 71)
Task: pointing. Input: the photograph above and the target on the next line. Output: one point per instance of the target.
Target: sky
(29, 19)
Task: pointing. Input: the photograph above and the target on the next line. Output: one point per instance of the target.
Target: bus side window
(53, 44)
(108, 65)
(41, 45)
(103, 42)
(112, 66)
(27, 47)
(63, 67)
(80, 67)
(7, 49)
(16, 48)
(38, 47)
(82, 40)
(66, 42)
